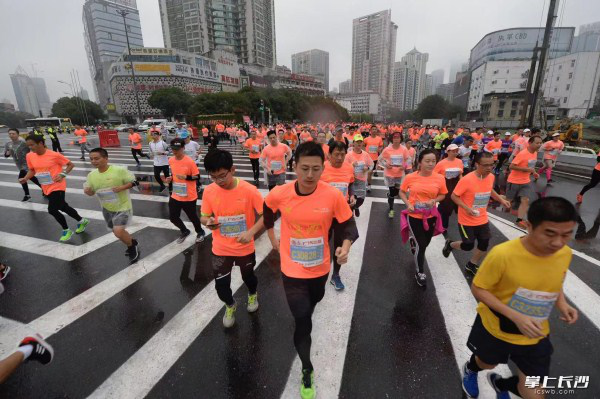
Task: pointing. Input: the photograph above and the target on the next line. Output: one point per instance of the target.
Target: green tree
(396, 115)
(171, 101)
(15, 119)
(70, 107)
(432, 107)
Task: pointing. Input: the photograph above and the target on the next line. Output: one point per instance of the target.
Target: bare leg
(123, 235)
(523, 207)
(10, 364)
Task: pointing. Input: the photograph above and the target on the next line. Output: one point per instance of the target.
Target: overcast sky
(48, 34)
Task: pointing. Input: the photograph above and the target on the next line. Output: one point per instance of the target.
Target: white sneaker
(229, 316)
(252, 303)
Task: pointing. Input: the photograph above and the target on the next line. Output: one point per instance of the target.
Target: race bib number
(452, 173)
(44, 178)
(554, 152)
(409, 162)
(495, 151)
(276, 165)
(466, 161)
(107, 196)
(396, 160)
(481, 200)
(232, 226)
(531, 163)
(359, 169)
(536, 304)
(373, 149)
(180, 189)
(343, 187)
(422, 205)
(255, 148)
(504, 150)
(307, 251)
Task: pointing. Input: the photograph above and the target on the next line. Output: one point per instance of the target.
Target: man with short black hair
(274, 158)
(17, 148)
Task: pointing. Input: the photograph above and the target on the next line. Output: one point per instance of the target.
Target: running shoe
(521, 224)
(579, 198)
(421, 279)
(229, 316)
(66, 235)
(200, 237)
(4, 272)
(42, 351)
(26, 198)
(492, 377)
(252, 303)
(550, 181)
(447, 250)
(82, 159)
(336, 281)
(391, 214)
(307, 387)
(133, 252)
(356, 212)
(183, 236)
(375, 174)
(471, 267)
(469, 382)
(82, 225)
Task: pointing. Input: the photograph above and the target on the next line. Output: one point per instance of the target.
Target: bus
(60, 123)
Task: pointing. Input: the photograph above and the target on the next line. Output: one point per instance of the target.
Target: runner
(185, 194)
(505, 152)
(339, 136)
(412, 156)
(136, 145)
(160, 156)
(517, 285)
(494, 146)
(292, 139)
(393, 160)
(228, 206)
(192, 149)
(464, 153)
(518, 184)
(111, 184)
(595, 179)
(452, 170)
(273, 159)
(30, 348)
(205, 135)
(420, 191)
(303, 245)
(362, 163)
(254, 149)
(81, 133)
(47, 167)
(374, 146)
(520, 143)
(552, 150)
(340, 175)
(322, 140)
(17, 148)
(472, 195)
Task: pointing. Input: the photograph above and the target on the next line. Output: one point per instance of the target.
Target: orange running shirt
(184, 190)
(372, 146)
(136, 141)
(234, 210)
(204, 132)
(361, 160)
(220, 127)
(552, 149)
(292, 139)
(475, 193)
(305, 224)
(274, 157)
(340, 178)
(477, 140)
(396, 158)
(524, 159)
(597, 167)
(253, 146)
(81, 133)
(422, 189)
(449, 169)
(494, 147)
(46, 167)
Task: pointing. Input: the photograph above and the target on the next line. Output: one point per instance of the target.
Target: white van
(148, 123)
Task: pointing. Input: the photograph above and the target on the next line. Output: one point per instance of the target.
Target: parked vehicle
(148, 123)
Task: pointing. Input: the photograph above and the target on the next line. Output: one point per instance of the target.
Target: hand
(210, 223)
(567, 312)
(58, 178)
(504, 202)
(410, 207)
(365, 168)
(352, 201)
(528, 326)
(472, 212)
(342, 255)
(22, 180)
(89, 191)
(431, 203)
(275, 244)
(118, 189)
(269, 172)
(167, 179)
(180, 177)
(245, 237)
(354, 163)
(536, 175)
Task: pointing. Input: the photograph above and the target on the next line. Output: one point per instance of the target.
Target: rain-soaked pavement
(154, 329)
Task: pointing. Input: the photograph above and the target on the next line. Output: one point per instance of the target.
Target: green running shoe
(307, 386)
(391, 214)
(66, 235)
(252, 303)
(229, 317)
(82, 225)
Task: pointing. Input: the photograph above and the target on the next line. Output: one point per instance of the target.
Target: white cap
(490, 132)
(452, 147)
(507, 134)
(526, 130)
(555, 134)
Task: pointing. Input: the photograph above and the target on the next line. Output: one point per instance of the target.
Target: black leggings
(165, 170)
(189, 207)
(222, 266)
(392, 195)
(138, 151)
(34, 179)
(446, 207)
(501, 159)
(337, 242)
(255, 168)
(423, 238)
(302, 296)
(593, 183)
(57, 204)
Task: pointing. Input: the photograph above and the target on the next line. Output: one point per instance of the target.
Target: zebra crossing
(153, 329)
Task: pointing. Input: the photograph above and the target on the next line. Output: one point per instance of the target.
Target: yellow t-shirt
(525, 282)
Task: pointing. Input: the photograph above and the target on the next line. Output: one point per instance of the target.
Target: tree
(396, 115)
(432, 107)
(70, 107)
(171, 101)
(15, 119)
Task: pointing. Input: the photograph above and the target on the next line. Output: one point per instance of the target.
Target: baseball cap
(452, 147)
(526, 130)
(555, 134)
(177, 144)
(490, 132)
(184, 135)
(358, 137)
(507, 134)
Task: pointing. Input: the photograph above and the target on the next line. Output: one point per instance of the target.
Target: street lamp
(123, 13)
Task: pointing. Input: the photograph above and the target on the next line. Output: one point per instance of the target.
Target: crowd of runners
(434, 171)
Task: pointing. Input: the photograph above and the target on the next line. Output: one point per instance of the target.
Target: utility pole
(123, 13)
(262, 111)
(526, 100)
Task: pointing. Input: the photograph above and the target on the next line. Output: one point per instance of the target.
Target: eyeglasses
(221, 177)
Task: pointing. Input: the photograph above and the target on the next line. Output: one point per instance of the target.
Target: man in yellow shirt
(517, 285)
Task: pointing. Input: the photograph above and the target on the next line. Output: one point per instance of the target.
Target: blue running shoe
(469, 382)
(492, 377)
(336, 281)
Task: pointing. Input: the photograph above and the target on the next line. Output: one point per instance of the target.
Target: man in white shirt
(160, 155)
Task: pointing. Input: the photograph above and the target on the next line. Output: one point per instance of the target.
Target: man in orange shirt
(136, 145)
(552, 150)
(362, 164)
(81, 133)
(184, 195)
(494, 146)
(205, 134)
(519, 180)
(374, 146)
(393, 160)
(273, 158)
(228, 206)
(292, 139)
(47, 167)
(308, 208)
(254, 148)
(452, 170)
(472, 195)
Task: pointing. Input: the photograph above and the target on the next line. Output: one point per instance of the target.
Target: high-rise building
(31, 94)
(105, 40)
(83, 94)
(346, 87)
(410, 80)
(243, 27)
(373, 53)
(314, 63)
(428, 85)
(446, 90)
(41, 92)
(438, 79)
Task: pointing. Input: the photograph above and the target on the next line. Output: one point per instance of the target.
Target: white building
(346, 86)
(410, 80)
(571, 83)
(373, 53)
(361, 103)
(428, 85)
(496, 77)
(312, 62)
